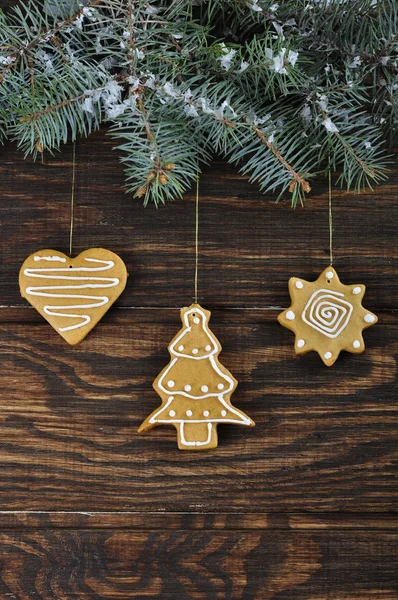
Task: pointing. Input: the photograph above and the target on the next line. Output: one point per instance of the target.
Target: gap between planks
(27, 314)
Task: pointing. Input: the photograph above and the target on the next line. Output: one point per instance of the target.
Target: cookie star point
(326, 316)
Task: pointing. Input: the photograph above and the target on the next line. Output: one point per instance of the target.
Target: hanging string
(196, 238)
(330, 219)
(72, 199)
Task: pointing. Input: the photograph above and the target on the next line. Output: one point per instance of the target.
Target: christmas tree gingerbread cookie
(327, 316)
(195, 387)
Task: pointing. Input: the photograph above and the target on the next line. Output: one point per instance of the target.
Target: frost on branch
(281, 89)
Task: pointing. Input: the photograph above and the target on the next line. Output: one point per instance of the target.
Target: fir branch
(297, 178)
(16, 52)
(284, 89)
(51, 31)
(51, 109)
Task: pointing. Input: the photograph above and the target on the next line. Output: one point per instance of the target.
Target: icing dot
(206, 413)
(208, 348)
(290, 315)
(327, 355)
(172, 413)
(329, 274)
(369, 318)
(170, 383)
(181, 348)
(356, 344)
(299, 285)
(204, 388)
(196, 320)
(189, 413)
(187, 387)
(220, 386)
(195, 351)
(300, 343)
(356, 290)
(223, 413)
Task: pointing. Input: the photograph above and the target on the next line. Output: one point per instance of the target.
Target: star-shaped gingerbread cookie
(327, 316)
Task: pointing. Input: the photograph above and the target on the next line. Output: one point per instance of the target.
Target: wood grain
(198, 565)
(303, 506)
(324, 443)
(249, 246)
(40, 520)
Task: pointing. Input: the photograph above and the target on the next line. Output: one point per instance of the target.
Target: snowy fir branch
(286, 90)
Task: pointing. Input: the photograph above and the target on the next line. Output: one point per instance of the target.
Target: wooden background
(303, 506)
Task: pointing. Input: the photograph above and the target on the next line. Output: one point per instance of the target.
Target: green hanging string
(196, 238)
(72, 200)
(330, 220)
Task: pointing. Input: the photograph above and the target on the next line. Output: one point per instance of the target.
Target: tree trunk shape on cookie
(195, 387)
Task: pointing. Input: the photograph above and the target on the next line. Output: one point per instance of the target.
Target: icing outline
(317, 304)
(53, 310)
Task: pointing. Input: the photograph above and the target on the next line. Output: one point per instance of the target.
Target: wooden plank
(325, 439)
(249, 246)
(196, 521)
(302, 507)
(7, 4)
(236, 565)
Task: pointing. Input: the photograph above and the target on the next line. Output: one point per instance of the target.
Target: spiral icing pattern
(327, 312)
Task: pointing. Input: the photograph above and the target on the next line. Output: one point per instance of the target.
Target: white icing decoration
(223, 413)
(329, 274)
(290, 315)
(299, 285)
(189, 413)
(196, 320)
(208, 348)
(170, 383)
(228, 380)
(50, 258)
(172, 413)
(327, 312)
(220, 420)
(187, 387)
(356, 344)
(328, 355)
(181, 348)
(300, 343)
(184, 441)
(244, 420)
(188, 328)
(195, 351)
(54, 310)
(206, 413)
(369, 318)
(356, 290)
(204, 388)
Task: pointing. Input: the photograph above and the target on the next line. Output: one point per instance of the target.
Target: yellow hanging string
(72, 200)
(196, 238)
(330, 219)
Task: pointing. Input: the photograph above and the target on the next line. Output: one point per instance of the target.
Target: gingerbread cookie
(327, 316)
(195, 387)
(72, 294)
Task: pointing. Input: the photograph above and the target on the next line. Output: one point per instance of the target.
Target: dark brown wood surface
(301, 507)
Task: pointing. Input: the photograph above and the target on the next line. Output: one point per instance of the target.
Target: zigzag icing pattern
(55, 291)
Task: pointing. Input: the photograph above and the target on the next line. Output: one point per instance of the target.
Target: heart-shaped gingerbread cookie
(72, 294)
